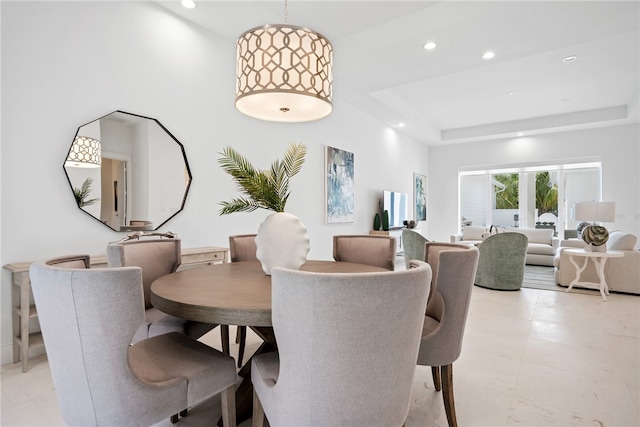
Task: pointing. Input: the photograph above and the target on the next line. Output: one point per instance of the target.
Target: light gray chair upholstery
(454, 267)
(156, 258)
(502, 260)
(242, 247)
(412, 245)
(366, 249)
(88, 318)
(341, 360)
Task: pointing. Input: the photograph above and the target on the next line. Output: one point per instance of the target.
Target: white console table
(24, 313)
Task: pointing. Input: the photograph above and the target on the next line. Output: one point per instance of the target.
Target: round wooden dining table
(237, 293)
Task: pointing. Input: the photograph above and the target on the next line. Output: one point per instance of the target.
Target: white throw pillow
(619, 241)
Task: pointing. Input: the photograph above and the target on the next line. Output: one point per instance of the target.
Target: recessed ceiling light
(510, 93)
(400, 125)
(488, 55)
(564, 99)
(520, 133)
(430, 45)
(569, 58)
(189, 4)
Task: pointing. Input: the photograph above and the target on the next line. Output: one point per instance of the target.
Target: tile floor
(531, 357)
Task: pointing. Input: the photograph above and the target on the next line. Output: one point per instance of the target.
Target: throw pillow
(619, 241)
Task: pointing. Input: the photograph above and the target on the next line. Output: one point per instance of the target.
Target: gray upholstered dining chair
(412, 245)
(502, 260)
(366, 249)
(88, 318)
(454, 268)
(156, 258)
(242, 247)
(331, 369)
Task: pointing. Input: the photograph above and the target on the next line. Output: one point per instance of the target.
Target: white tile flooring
(531, 357)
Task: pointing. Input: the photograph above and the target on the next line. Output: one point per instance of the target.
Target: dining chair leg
(238, 334)
(435, 373)
(228, 404)
(447, 394)
(257, 419)
(242, 334)
(224, 336)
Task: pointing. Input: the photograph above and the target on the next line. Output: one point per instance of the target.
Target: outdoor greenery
(546, 193)
(266, 189)
(508, 198)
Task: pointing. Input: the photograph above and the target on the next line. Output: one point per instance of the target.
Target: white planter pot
(282, 241)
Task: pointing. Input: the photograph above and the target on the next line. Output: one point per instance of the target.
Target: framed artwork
(420, 196)
(339, 187)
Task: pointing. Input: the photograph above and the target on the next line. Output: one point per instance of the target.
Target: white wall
(67, 63)
(617, 147)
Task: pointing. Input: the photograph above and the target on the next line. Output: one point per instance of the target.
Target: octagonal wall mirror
(128, 172)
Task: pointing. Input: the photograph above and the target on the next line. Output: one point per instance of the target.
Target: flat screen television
(397, 204)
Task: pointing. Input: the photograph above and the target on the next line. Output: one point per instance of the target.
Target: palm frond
(83, 192)
(262, 189)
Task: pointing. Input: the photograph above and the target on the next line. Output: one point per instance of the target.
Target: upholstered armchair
(88, 319)
(366, 249)
(360, 375)
(502, 260)
(622, 274)
(413, 246)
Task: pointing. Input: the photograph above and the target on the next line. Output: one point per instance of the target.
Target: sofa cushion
(473, 232)
(619, 241)
(540, 249)
(535, 235)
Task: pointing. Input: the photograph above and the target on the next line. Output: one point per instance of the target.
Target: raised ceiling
(451, 94)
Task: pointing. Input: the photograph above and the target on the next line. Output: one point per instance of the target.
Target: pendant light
(284, 73)
(85, 152)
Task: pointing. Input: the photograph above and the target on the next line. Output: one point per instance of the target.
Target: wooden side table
(599, 260)
(24, 313)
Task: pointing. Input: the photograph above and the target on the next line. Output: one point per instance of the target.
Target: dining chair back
(341, 360)
(242, 247)
(88, 318)
(454, 268)
(367, 249)
(156, 258)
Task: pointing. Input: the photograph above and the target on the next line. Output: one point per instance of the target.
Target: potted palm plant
(282, 239)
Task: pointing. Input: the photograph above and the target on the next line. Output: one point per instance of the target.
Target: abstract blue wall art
(340, 190)
(420, 196)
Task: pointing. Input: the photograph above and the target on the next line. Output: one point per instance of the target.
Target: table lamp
(596, 212)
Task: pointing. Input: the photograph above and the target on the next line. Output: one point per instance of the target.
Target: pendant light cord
(286, 14)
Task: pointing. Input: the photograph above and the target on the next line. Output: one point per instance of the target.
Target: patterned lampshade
(85, 152)
(284, 74)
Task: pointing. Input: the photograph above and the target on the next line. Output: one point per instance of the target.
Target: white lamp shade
(595, 211)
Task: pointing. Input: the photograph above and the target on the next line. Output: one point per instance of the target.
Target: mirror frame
(184, 157)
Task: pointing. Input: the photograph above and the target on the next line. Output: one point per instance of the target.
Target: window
(533, 196)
